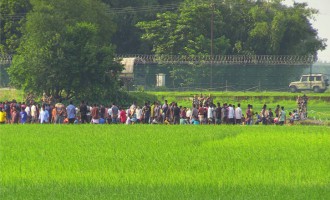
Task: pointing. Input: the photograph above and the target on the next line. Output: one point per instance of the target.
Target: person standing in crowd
(249, 115)
(201, 112)
(28, 112)
(15, 115)
(110, 116)
(53, 119)
(152, 112)
(71, 112)
(138, 114)
(234, 108)
(183, 114)
(114, 113)
(210, 114)
(2, 116)
(282, 116)
(238, 114)
(43, 115)
(164, 110)
(123, 116)
(23, 116)
(169, 113)
(157, 113)
(176, 114)
(49, 108)
(218, 114)
(95, 114)
(264, 115)
(102, 112)
(224, 113)
(270, 116)
(188, 115)
(194, 114)
(146, 112)
(277, 111)
(8, 112)
(83, 112)
(60, 113)
(231, 114)
(34, 117)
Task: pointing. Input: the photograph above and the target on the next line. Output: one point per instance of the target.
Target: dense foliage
(12, 13)
(66, 51)
(239, 27)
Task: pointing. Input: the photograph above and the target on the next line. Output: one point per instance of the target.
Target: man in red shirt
(95, 114)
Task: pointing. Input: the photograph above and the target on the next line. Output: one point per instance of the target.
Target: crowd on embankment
(203, 111)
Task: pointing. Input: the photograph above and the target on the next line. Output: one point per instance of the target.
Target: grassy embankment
(164, 162)
(10, 94)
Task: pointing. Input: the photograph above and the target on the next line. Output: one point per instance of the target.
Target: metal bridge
(206, 59)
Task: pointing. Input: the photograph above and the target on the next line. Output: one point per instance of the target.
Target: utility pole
(212, 38)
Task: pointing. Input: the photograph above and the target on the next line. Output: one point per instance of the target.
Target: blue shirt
(71, 111)
(23, 116)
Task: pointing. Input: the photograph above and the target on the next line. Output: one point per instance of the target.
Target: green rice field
(164, 162)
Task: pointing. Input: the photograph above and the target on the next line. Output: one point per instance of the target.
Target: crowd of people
(203, 111)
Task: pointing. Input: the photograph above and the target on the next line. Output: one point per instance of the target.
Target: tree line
(67, 48)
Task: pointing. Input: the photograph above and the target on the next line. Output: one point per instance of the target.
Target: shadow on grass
(97, 191)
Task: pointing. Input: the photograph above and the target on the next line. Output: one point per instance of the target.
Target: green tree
(240, 27)
(188, 31)
(127, 14)
(66, 51)
(12, 16)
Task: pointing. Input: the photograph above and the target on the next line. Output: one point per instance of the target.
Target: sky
(321, 23)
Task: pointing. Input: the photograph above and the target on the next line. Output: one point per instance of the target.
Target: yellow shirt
(2, 117)
(152, 111)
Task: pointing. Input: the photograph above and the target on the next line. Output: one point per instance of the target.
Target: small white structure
(160, 80)
(128, 71)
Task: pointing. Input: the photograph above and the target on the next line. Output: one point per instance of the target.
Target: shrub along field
(164, 162)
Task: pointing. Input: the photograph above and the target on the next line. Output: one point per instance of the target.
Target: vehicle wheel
(316, 89)
(293, 89)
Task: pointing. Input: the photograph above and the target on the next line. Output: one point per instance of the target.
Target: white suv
(315, 82)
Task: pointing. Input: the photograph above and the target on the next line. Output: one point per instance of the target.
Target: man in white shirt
(189, 115)
(34, 113)
(210, 114)
(138, 112)
(110, 112)
(231, 114)
(43, 115)
(28, 112)
(238, 114)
